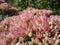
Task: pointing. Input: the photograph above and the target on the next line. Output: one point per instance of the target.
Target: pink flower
(51, 40)
(36, 40)
(21, 33)
(44, 12)
(1, 1)
(33, 23)
(4, 6)
(1, 28)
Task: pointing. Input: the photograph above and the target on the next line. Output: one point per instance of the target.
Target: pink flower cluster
(6, 9)
(30, 27)
(2, 1)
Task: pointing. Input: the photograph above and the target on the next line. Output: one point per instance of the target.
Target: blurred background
(12, 7)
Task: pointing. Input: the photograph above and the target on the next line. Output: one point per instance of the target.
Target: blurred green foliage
(40, 4)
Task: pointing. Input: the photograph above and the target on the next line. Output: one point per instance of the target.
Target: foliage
(45, 4)
(23, 4)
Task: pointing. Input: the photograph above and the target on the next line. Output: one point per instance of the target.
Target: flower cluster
(6, 10)
(5, 6)
(31, 27)
(2, 1)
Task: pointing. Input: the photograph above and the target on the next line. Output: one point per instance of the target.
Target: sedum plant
(31, 27)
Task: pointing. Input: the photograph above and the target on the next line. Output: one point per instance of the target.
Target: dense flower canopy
(30, 27)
